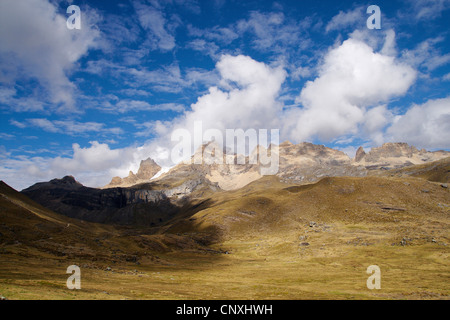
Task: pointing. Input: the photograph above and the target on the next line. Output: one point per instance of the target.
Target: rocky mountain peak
(391, 150)
(360, 154)
(147, 170)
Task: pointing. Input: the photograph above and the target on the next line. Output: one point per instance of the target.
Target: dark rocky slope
(136, 205)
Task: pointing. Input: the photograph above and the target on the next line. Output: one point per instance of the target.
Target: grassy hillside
(268, 240)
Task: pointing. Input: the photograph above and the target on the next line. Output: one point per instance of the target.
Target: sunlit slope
(438, 171)
(395, 207)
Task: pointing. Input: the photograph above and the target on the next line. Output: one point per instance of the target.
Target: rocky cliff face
(307, 162)
(147, 169)
(141, 205)
(360, 154)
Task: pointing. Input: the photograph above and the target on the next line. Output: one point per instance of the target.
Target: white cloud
(8, 98)
(273, 31)
(249, 100)
(153, 19)
(6, 136)
(429, 9)
(346, 19)
(207, 47)
(125, 106)
(17, 124)
(301, 72)
(426, 125)
(36, 43)
(44, 124)
(68, 127)
(135, 92)
(168, 78)
(222, 35)
(246, 98)
(352, 80)
(375, 121)
(427, 55)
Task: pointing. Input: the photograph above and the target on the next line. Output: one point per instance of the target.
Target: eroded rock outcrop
(396, 155)
(147, 170)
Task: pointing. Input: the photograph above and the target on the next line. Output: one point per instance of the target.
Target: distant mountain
(396, 155)
(303, 163)
(153, 202)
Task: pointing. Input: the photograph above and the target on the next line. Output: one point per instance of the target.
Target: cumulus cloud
(352, 79)
(247, 97)
(36, 44)
(93, 166)
(375, 121)
(426, 125)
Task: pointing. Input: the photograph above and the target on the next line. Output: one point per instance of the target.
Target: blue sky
(94, 102)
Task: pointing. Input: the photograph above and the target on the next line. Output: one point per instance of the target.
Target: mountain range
(304, 162)
(140, 200)
(224, 231)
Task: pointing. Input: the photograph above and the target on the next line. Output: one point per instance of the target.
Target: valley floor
(249, 270)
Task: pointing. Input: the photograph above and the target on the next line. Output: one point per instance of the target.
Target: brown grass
(268, 240)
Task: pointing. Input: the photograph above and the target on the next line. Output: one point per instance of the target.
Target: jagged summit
(360, 154)
(147, 170)
(394, 155)
(300, 163)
